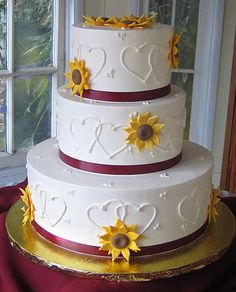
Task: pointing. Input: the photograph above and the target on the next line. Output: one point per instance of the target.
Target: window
(183, 15)
(30, 59)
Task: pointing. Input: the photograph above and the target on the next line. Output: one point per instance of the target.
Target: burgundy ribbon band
(119, 169)
(127, 96)
(94, 250)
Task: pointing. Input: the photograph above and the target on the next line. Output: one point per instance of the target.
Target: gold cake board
(207, 249)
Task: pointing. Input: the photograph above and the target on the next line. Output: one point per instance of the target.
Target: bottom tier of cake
(169, 208)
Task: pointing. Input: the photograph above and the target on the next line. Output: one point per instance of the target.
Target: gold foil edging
(209, 248)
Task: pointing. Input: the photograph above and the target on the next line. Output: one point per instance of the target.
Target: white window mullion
(173, 13)
(58, 57)
(10, 80)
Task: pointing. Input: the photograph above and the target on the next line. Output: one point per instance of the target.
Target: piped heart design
(122, 211)
(111, 130)
(147, 52)
(189, 209)
(95, 58)
(99, 135)
(97, 213)
(54, 208)
(79, 131)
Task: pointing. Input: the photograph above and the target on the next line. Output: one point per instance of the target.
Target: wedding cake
(119, 180)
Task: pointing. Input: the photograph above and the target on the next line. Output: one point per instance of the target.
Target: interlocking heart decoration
(99, 127)
(97, 213)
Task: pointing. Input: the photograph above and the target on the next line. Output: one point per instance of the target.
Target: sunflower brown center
(127, 22)
(144, 132)
(104, 18)
(76, 76)
(120, 241)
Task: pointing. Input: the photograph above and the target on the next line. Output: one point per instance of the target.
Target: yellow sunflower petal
(106, 237)
(115, 253)
(118, 223)
(105, 246)
(132, 235)
(126, 253)
(107, 229)
(139, 144)
(149, 144)
(123, 229)
(134, 124)
(152, 120)
(132, 136)
(142, 119)
(155, 139)
(133, 246)
(132, 227)
(157, 127)
(75, 89)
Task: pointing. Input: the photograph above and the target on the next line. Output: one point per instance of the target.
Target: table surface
(18, 273)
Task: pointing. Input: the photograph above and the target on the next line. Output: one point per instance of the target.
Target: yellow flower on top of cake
(95, 21)
(214, 200)
(125, 22)
(174, 50)
(143, 131)
(119, 239)
(78, 77)
(29, 210)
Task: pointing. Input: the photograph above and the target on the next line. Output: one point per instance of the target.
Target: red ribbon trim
(94, 250)
(119, 169)
(127, 96)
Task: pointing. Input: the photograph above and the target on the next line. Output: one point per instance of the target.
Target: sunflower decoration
(214, 200)
(78, 77)
(174, 50)
(130, 22)
(125, 22)
(119, 239)
(95, 21)
(29, 210)
(143, 131)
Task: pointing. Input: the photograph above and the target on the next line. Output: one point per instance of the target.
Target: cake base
(207, 249)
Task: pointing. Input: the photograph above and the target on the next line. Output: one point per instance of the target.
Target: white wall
(223, 86)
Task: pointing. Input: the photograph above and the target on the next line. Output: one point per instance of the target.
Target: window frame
(12, 163)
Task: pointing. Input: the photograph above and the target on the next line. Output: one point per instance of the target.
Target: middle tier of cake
(71, 206)
(93, 135)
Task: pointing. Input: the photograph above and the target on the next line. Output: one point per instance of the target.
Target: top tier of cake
(130, 61)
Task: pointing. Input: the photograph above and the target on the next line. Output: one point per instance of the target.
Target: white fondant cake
(74, 205)
(124, 60)
(155, 198)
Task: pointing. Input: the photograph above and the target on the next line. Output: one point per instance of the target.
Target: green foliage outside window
(32, 49)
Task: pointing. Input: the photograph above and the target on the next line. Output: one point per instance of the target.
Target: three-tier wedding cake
(119, 180)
